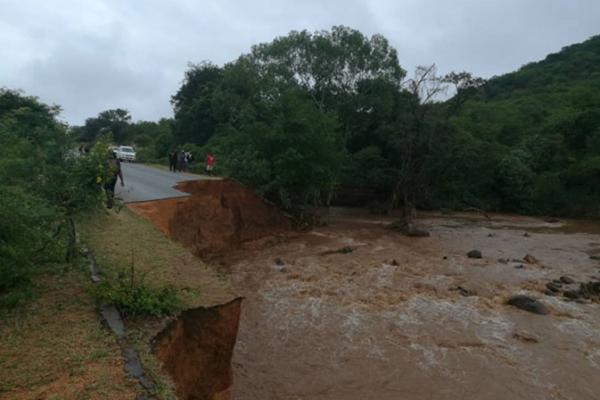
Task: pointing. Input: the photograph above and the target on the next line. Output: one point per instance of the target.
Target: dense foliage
(43, 185)
(331, 116)
(529, 141)
(525, 142)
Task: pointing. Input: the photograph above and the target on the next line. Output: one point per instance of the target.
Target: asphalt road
(143, 183)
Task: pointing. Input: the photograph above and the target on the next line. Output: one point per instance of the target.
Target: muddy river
(384, 318)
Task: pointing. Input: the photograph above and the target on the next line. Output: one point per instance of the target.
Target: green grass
(54, 346)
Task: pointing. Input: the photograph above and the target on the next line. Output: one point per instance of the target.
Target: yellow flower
(98, 179)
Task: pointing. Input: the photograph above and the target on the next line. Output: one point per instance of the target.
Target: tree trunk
(72, 241)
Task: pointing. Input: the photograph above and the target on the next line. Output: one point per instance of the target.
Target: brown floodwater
(385, 321)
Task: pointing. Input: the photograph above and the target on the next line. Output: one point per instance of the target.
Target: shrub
(133, 297)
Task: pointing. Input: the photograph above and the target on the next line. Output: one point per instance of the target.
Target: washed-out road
(144, 183)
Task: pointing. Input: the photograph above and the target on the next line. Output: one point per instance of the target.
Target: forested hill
(529, 141)
(578, 64)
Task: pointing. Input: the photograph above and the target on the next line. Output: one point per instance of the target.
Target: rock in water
(555, 287)
(572, 294)
(527, 303)
(567, 279)
(474, 254)
(465, 292)
(529, 259)
(416, 232)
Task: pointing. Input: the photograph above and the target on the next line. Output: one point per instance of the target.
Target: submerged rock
(408, 228)
(555, 287)
(567, 279)
(529, 259)
(527, 303)
(572, 294)
(590, 290)
(474, 254)
(526, 337)
(465, 292)
(416, 232)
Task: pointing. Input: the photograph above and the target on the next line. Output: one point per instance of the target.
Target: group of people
(179, 160)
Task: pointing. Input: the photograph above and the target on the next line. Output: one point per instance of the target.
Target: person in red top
(210, 162)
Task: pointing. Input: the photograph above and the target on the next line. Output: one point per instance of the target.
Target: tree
(44, 185)
(195, 120)
(115, 122)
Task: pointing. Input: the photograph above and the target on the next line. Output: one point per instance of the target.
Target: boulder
(528, 304)
(555, 287)
(416, 232)
(465, 292)
(529, 259)
(572, 294)
(567, 279)
(474, 254)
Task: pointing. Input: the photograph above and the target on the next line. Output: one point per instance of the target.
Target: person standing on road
(114, 172)
(210, 162)
(175, 159)
(181, 162)
(172, 162)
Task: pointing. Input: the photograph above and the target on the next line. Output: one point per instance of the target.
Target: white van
(125, 153)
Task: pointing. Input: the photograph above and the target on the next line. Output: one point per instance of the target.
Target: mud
(394, 318)
(196, 349)
(219, 215)
(386, 321)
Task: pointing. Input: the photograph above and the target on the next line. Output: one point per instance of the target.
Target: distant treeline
(311, 117)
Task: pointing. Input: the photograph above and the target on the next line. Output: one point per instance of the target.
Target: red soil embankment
(219, 215)
(196, 349)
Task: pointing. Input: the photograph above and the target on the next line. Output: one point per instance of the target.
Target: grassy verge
(54, 346)
(120, 240)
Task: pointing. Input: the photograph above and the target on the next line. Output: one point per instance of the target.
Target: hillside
(529, 141)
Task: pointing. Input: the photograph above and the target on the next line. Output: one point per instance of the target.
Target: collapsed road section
(196, 348)
(218, 215)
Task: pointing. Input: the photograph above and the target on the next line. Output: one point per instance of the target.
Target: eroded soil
(387, 320)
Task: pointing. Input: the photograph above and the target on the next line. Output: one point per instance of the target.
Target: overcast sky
(92, 55)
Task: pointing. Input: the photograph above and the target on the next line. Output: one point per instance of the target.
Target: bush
(133, 297)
